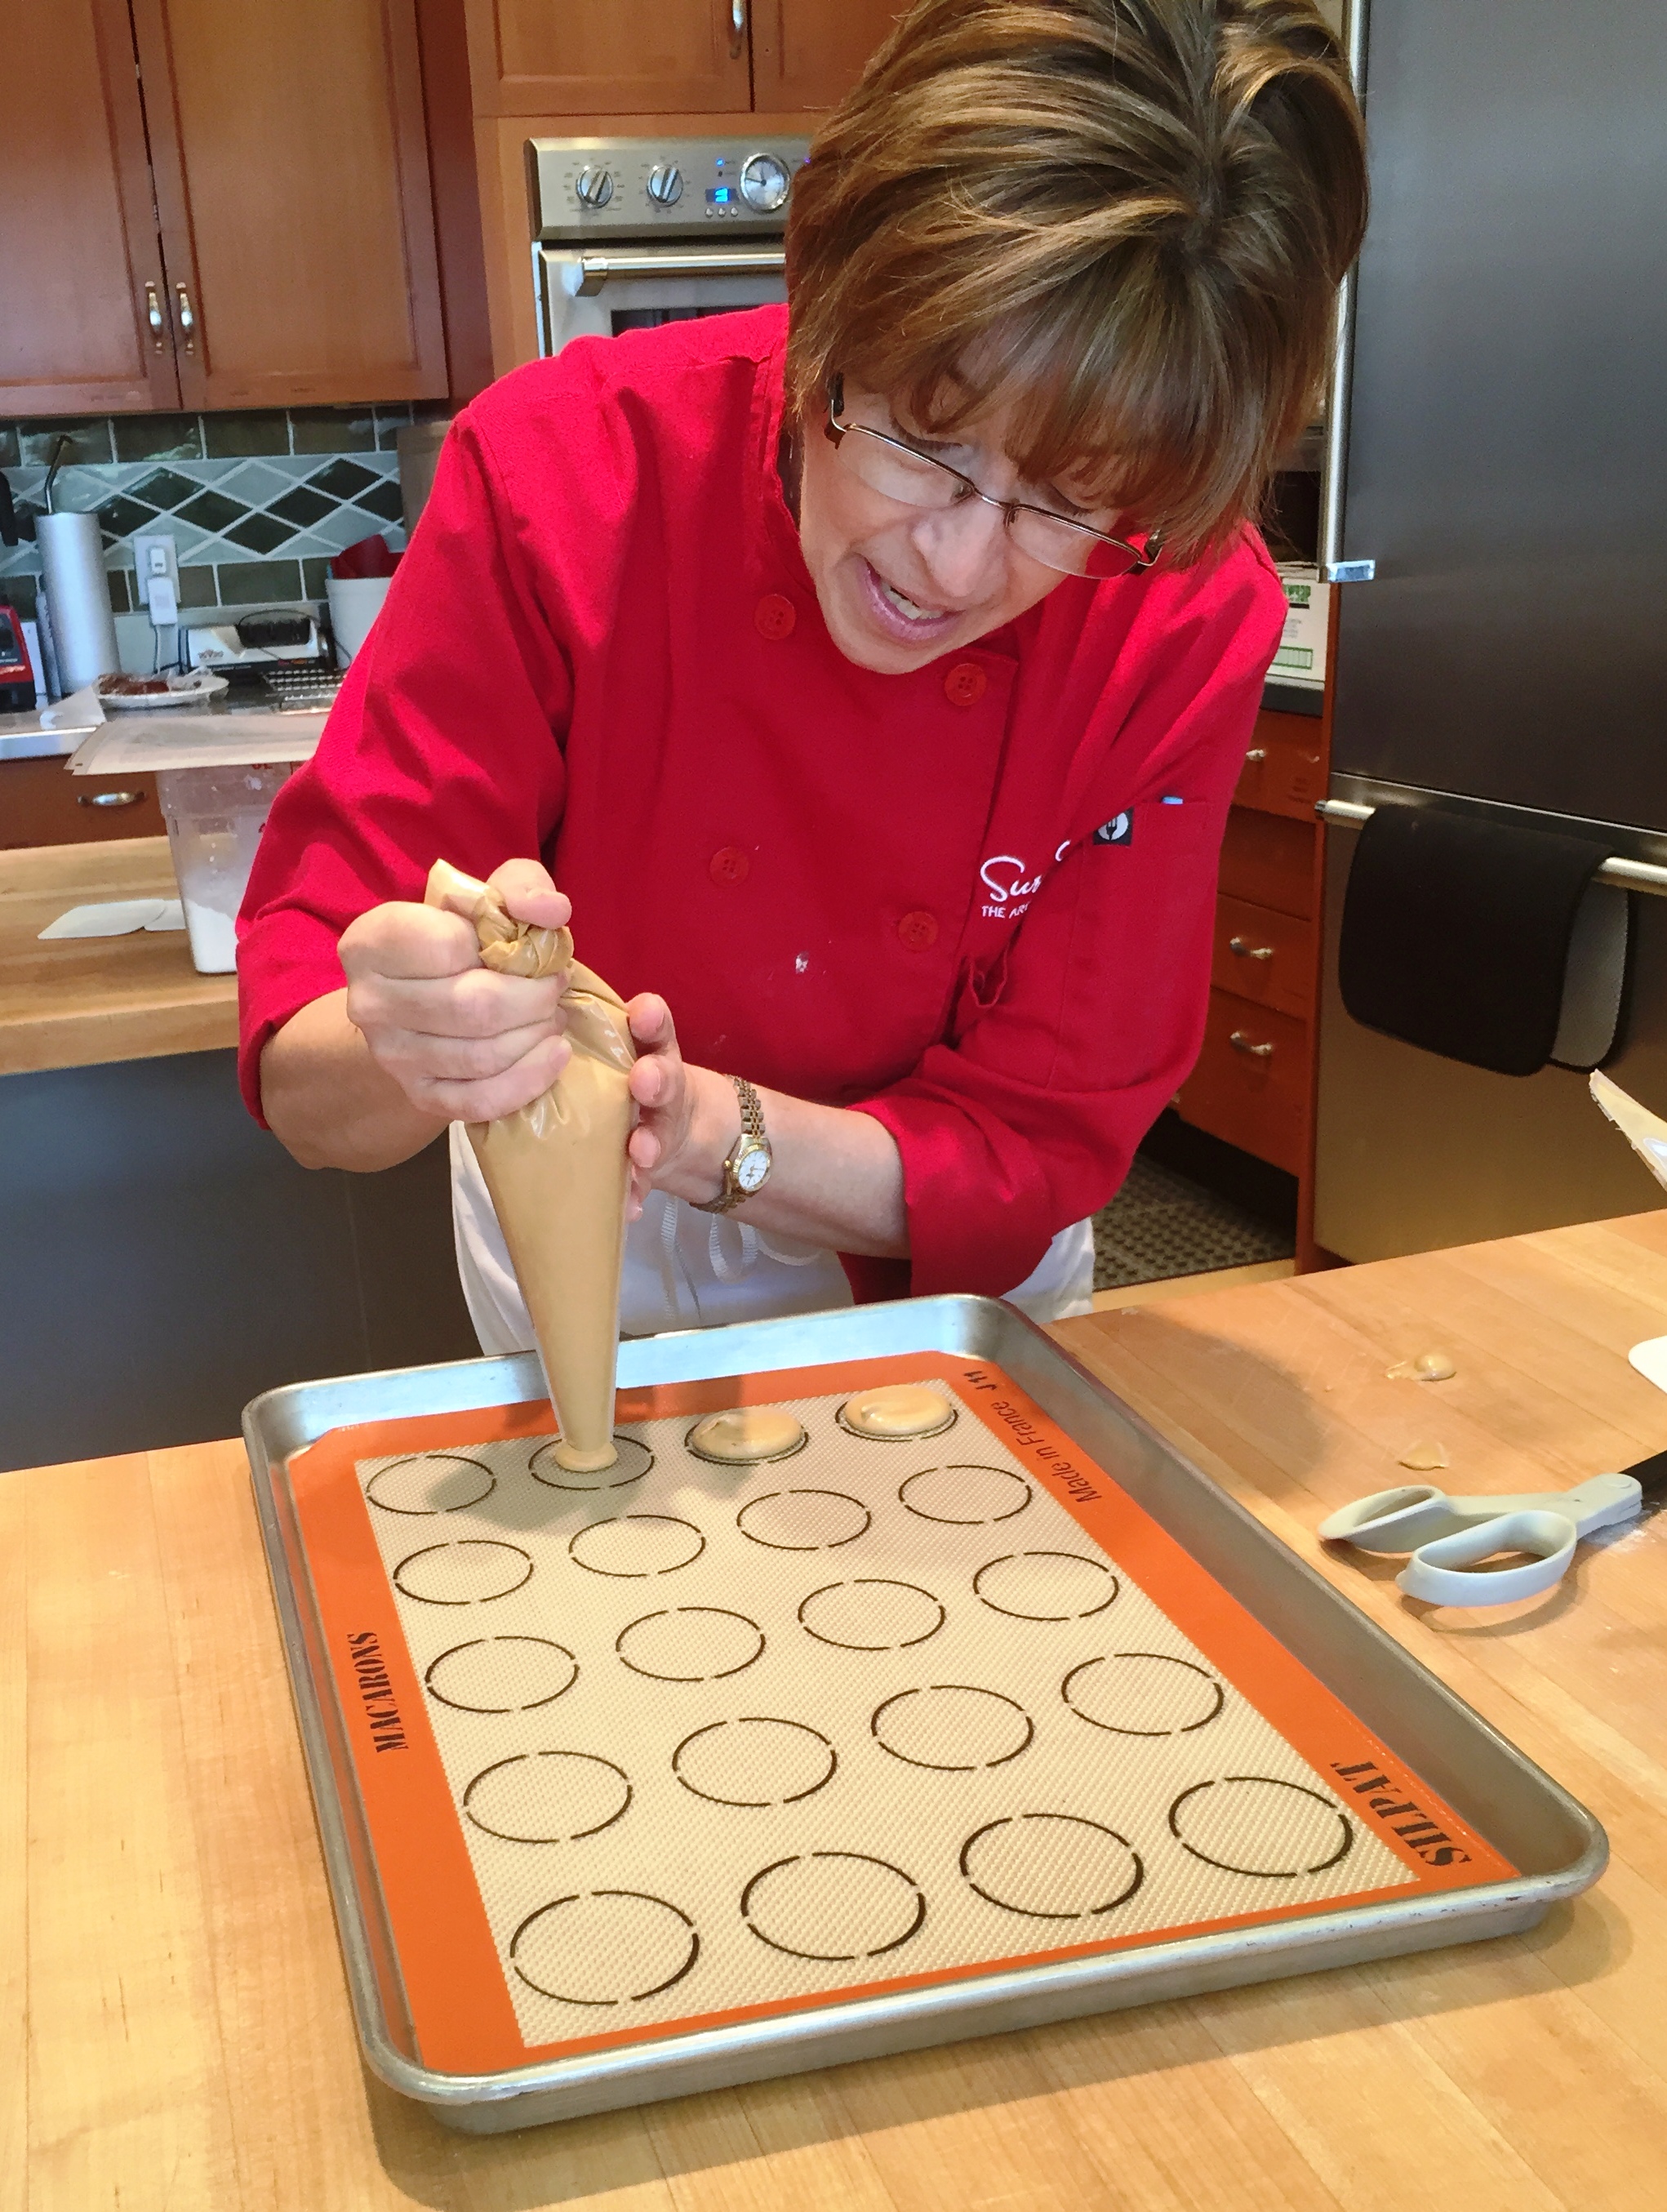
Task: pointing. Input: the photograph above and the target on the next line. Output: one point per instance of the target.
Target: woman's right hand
(462, 1043)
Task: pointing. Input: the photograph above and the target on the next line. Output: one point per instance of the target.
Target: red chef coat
(974, 901)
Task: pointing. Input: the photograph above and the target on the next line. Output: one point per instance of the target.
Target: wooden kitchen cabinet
(292, 185)
(78, 243)
(648, 57)
(809, 54)
(42, 803)
(578, 57)
(1250, 1085)
(1253, 1086)
(210, 208)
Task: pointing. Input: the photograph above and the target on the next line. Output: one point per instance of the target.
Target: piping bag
(557, 1172)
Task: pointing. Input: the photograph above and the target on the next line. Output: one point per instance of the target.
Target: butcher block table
(74, 1002)
(175, 2011)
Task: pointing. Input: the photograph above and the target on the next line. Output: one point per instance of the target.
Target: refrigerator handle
(1333, 569)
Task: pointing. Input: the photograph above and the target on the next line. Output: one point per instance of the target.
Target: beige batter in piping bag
(557, 1172)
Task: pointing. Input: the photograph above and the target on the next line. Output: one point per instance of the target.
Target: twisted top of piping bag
(514, 948)
(596, 1013)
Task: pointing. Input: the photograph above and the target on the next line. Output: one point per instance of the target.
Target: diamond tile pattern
(164, 486)
(344, 479)
(261, 533)
(269, 501)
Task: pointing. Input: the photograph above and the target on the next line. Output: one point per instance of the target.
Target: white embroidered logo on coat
(1010, 885)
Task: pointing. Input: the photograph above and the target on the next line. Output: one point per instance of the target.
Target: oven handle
(593, 270)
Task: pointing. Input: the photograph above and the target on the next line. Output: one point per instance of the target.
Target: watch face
(751, 1169)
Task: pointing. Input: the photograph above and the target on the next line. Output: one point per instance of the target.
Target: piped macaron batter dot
(746, 1435)
(897, 1410)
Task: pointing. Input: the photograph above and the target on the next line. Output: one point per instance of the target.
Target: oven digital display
(719, 195)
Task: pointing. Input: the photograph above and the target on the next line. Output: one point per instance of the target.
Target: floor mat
(1161, 1223)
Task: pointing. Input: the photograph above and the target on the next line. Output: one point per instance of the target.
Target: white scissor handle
(1418, 1514)
(1444, 1572)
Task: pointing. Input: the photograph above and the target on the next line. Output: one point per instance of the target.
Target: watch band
(753, 1138)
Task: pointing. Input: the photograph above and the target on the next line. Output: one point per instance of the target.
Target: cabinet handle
(1256, 753)
(737, 29)
(1237, 945)
(187, 320)
(109, 798)
(154, 317)
(1240, 1042)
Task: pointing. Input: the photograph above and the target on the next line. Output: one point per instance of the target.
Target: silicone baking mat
(682, 1744)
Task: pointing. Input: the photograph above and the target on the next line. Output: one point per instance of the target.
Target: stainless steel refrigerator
(1498, 464)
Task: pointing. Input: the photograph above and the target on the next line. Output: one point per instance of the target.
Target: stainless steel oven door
(598, 292)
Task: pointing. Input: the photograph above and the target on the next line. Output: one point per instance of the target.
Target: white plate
(182, 691)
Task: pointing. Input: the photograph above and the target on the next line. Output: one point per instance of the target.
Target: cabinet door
(809, 54)
(574, 58)
(292, 179)
(41, 805)
(77, 232)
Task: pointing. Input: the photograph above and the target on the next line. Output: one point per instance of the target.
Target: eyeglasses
(903, 472)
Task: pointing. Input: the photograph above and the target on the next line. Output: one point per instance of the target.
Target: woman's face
(898, 586)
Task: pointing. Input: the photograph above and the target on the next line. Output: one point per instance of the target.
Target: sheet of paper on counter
(117, 918)
(191, 738)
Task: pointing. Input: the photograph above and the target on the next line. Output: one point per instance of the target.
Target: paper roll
(83, 624)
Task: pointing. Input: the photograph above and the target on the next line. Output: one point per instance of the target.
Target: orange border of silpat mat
(454, 1981)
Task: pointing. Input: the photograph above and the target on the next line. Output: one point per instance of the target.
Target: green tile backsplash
(255, 502)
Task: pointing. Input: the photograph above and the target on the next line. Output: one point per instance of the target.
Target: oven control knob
(665, 184)
(594, 188)
(764, 183)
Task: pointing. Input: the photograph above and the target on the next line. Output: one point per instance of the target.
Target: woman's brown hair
(1134, 213)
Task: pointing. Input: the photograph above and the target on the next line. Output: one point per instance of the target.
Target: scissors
(1449, 1537)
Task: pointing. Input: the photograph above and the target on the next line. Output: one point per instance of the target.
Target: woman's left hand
(690, 1117)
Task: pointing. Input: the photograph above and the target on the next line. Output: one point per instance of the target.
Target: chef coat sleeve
(444, 741)
(1060, 1058)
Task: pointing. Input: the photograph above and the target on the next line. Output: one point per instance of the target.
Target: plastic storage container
(215, 817)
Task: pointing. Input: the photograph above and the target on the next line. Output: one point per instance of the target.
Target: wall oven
(631, 233)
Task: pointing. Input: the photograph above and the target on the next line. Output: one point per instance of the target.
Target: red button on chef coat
(917, 931)
(964, 685)
(569, 665)
(730, 866)
(773, 616)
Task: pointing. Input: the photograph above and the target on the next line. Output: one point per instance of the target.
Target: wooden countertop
(173, 2023)
(77, 1000)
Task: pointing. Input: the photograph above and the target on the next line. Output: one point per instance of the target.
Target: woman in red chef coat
(872, 676)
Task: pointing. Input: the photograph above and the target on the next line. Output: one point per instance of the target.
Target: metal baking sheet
(701, 1774)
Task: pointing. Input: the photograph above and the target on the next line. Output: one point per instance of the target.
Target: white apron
(685, 1269)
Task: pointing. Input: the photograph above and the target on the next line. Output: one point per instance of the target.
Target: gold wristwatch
(748, 1166)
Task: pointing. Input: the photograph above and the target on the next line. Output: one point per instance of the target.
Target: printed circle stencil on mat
(1143, 1693)
(803, 1520)
(754, 1761)
(431, 1482)
(1256, 1824)
(833, 1905)
(690, 1644)
(870, 1614)
(471, 1572)
(965, 1497)
(1046, 1585)
(1051, 1866)
(636, 1545)
(953, 1728)
(548, 1796)
(604, 1946)
(502, 1674)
